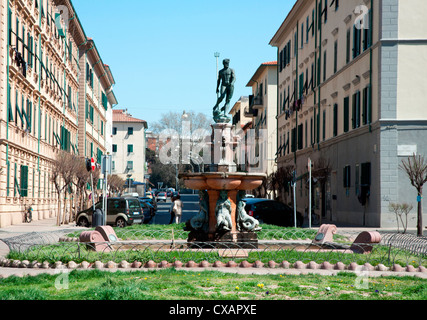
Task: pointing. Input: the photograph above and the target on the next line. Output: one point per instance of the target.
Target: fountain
(222, 217)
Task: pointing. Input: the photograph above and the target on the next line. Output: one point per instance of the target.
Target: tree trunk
(58, 217)
(420, 213)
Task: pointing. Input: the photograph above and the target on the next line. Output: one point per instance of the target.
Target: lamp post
(128, 176)
(217, 54)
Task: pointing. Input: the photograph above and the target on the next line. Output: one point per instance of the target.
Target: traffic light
(88, 165)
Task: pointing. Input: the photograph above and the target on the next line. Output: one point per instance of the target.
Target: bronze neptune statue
(226, 80)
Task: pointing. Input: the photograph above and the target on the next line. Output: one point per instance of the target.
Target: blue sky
(161, 52)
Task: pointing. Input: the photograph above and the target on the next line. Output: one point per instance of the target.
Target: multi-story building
(96, 100)
(263, 110)
(351, 93)
(129, 143)
(39, 91)
(238, 116)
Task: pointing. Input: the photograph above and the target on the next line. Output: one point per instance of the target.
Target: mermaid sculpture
(223, 212)
(201, 221)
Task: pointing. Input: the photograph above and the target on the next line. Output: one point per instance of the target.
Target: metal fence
(292, 248)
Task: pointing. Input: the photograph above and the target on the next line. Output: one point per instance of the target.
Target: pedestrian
(177, 208)
(171, 209)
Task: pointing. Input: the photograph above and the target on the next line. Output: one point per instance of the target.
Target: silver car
(162, 196)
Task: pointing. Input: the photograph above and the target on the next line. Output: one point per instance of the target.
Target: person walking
(171, 211)
(177, 208)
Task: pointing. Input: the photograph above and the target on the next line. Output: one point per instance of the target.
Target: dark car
(272, 212)
(148, 209)
(120, 212)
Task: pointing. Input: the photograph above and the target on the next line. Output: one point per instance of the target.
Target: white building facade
(351, 90)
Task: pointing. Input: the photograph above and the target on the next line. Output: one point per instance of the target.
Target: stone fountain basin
(223, 180)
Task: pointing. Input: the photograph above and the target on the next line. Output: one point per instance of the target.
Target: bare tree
(416, 169)
(401, 211)
(115, 183)
(62, 175)
(82, 178)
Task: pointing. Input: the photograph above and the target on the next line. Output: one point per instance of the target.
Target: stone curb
(299, 265)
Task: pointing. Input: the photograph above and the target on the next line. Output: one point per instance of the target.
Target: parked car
(146, 210)
(162, 196)
(121, 212)
(272, 212)
(150, 206)
(149, 194)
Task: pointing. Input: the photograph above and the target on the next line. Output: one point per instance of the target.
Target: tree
(177, 131)
(115, 184)
(180, 122)
(64, 167)
(416, 169)
(401, 210)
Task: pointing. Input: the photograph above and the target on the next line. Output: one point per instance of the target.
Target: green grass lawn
(171, 284)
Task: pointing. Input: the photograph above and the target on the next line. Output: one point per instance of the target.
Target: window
(307, 29)
(114, 147)
(357, 180)
(357, 35)
(366, 110)
(294, 140)
(24, 181)
(114, 131)
(129, 165)
(356, 110)
(130, 148)
(347, 59)
(347, 177)
(336, 56)
(324, 125)
(346, 113)
(302, 34)
(367, 34)
(365, 179)
(300, 136)
(324, 66)
(335, 120)
(130, 131)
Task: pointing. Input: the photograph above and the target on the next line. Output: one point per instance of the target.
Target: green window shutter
(347, 177)
(104, 101)
(301, 85)
(300, 136)
(347, 59)
(356, 41)
(9, 107)
(24, 181)
(8, 178)
(346, 113)
(114, 147)
(335, 120)
(294, 140)
(61, 32)
(324, 125)
(130, 148)
(91, 114)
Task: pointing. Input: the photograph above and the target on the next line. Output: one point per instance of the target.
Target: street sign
(106, 164)
(92, 164)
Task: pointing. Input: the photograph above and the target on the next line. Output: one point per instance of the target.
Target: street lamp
(128, 176)
(217, 54)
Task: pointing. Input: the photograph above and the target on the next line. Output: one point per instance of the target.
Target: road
(190, 209)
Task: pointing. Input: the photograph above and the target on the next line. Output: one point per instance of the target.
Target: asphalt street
(190, 209)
